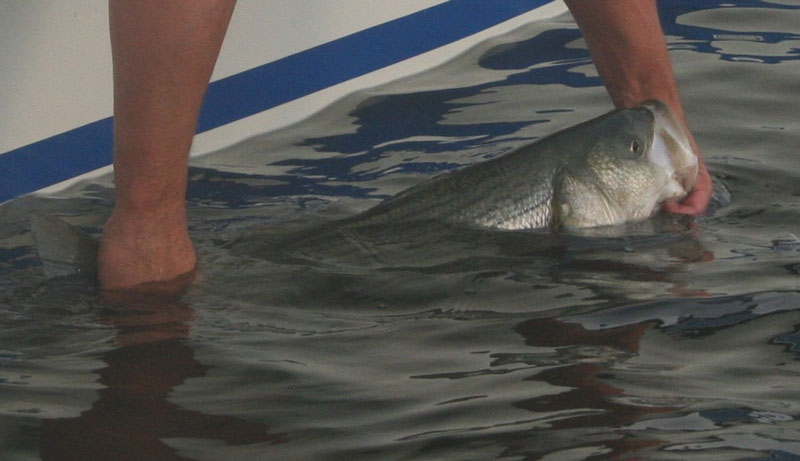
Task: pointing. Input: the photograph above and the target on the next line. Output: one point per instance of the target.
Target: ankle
(169, 218)
(144, 247)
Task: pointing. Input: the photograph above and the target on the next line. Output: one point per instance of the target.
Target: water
(676, 340)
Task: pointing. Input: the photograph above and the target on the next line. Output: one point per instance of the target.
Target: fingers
(696, 203)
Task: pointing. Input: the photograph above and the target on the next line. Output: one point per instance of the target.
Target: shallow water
(676, 339)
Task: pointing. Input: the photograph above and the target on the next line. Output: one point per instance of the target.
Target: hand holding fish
(630, 54)
(696, 202)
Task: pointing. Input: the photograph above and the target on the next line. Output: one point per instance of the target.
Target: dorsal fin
(63, 248)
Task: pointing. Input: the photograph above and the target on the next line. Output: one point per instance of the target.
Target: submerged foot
(139, 249)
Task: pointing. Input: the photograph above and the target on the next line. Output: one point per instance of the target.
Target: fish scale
(583, 176)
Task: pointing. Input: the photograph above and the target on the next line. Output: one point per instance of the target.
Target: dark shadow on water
(590, 395)
(132, 415)
(590, 412)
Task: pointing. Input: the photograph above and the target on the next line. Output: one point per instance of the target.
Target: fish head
(637, 159)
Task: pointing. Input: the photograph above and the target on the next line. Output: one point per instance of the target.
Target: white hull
(57, 103)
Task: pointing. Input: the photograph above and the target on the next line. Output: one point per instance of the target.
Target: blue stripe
(89, 147)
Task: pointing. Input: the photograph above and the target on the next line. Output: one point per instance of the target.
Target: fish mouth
(672, 150)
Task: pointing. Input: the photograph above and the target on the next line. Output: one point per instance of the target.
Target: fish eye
(635, 147)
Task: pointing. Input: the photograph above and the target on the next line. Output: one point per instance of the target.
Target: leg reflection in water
(591, 412)
(132, 415)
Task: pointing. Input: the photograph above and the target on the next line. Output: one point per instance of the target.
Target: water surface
(676, 339)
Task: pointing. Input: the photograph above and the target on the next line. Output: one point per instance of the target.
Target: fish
(614, 169)
(611, 170)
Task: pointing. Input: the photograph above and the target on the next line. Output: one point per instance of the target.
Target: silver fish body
(609, 170)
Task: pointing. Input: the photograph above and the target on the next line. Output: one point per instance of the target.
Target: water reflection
(587, 414)
(132, 417)
(619, 377)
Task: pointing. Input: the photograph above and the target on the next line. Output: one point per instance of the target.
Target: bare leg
(629, 51)
(164, 53)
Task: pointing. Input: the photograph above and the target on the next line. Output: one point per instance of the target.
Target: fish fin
(64, 249)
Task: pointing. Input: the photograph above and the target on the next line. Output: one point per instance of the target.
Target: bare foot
(142, 248)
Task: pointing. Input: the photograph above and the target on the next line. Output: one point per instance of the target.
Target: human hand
(696, 202)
